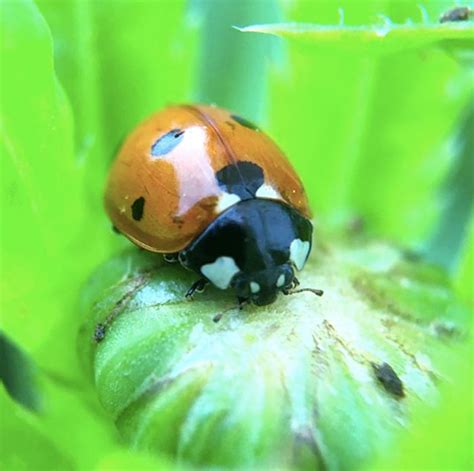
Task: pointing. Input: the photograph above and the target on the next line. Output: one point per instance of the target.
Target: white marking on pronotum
(226, 200)
(267, 191)
(254, 287)
(299, 251)
(281, 281)
(220, 272)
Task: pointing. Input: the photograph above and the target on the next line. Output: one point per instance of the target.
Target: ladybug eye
(167, 142)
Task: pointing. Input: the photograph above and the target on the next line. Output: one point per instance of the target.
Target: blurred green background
(376, 114)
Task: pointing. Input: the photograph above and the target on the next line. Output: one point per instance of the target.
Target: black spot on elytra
(387, 377)
(456, 14)
(137, 208)
(242, 179)
(244, 122)
(167, 142)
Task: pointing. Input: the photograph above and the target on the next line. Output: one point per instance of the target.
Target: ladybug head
(261, 288)
(253, 247)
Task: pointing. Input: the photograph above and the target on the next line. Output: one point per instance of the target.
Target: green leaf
(370, 26)
(383, 38)
(464, 278)
(227, 82)
(18, 374)
(53, 170)
(369, 134)
(42, 201)
(133, 460)
(457, 196)
(20, 428)
(54, 229)
(148, 64)
(288, 385)
(77, 65)
(72, 419)
(112, 85)
(69, 433)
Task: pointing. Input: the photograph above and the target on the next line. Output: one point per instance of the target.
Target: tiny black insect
(99, 333)
(387, 377)
(456, 14)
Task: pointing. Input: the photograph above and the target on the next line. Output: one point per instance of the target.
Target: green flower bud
(305, 383)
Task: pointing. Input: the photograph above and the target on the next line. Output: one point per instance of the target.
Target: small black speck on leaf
(99, 333)
(387, 377)
(456, 14)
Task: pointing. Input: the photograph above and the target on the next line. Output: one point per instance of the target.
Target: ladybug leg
(170, 257)
(293, 285)
(241, 302)
(197, 287)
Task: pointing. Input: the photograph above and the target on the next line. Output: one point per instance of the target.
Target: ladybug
(206, 188)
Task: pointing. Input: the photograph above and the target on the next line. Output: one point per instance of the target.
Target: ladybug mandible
(208, 189)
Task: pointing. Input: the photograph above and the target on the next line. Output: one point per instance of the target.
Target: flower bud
(307, 382)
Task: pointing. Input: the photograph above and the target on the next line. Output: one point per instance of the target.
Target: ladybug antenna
(240, 306)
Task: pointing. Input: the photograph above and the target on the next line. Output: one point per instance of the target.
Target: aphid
(456, 14)
(387, 377)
